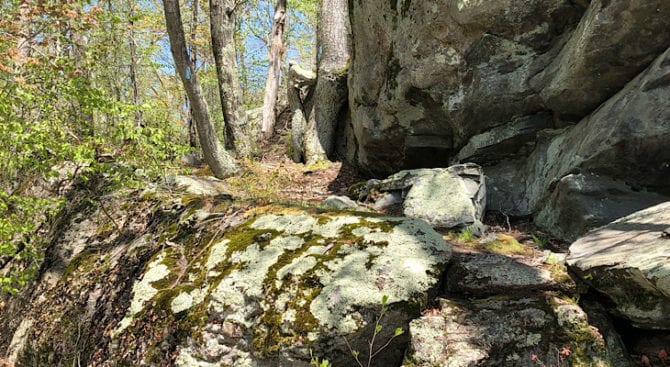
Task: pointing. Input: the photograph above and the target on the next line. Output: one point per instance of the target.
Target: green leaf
(398, 331)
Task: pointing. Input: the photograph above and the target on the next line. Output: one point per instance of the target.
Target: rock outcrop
(444, 197)
(199, 280)
(629, 262)
(533, 91)
(505, 331)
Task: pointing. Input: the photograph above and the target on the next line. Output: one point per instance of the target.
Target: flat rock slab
(444, 197)
(198, 185)
(490, 274)
(629, 261)
(503, 331)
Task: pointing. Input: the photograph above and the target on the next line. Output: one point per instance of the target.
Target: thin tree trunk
(222, 22)
(24, 43)
(133, 63)
(334, 37)
(192, 130)
(220, 162)
(275, 54)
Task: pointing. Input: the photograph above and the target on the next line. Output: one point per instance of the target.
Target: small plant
(507, 245)
(372, 352)
(467, 234)
(538, 241)
(314, 361)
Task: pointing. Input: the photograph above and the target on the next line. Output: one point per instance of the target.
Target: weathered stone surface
(618, 151)
(444, 197)
(300, 91)
(629, 261)
(490, 274)
(340, 202)
(428, 75)
(581, 202)
(615, 40)
(197, 185)
(452, 197)
(259, 288)
(300, 277)
(431, 81)
(503, 331)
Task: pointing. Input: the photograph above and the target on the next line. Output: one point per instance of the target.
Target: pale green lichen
(144, 291)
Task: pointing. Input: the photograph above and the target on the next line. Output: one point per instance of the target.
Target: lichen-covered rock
(491, 274)
(428, 75)
(303, 281)
(628, 260)
(444, 197)
(203, 281)
(614, 41)
(618, 151)
(505, 331)
(200, 185)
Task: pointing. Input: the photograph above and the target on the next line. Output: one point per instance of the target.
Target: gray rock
(629, 261)
(442, 72)
(300, 90)
(489, 274)
(339, 202)
(581, 202)
(305, 281)
(262, 293)
(608, 160)
(388, 199)
(447, 198)
(614, 41)
(503, 331)
(199, 185)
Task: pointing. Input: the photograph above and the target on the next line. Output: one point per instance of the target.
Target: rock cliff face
(533, 91)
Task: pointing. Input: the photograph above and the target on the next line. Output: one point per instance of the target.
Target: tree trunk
(275, 54)
(133, 63)
(334, 37)
(221, 163)
(192, 130)
(299, 89)
(24, 42)
(222, 22)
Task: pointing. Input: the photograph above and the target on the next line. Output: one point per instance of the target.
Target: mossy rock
(286, 281)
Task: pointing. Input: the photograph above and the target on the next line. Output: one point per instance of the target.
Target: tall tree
(222, 22)
(218, 159)
(275, 55)
(334, 42)
(132, 45)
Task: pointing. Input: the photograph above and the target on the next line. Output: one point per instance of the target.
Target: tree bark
(222, 22)
(275, 55)
(334, 41)
(220, 162)
(299, 90)
(133, 63)
(24, 42)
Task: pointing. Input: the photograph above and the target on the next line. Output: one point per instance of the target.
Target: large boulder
(506, 331)
(613, 162)
(428, 75)
(628, 261)
(202, 281)
(429, 78)
(532, 91)
(444, 197)
(614, 41)
(581, 202)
